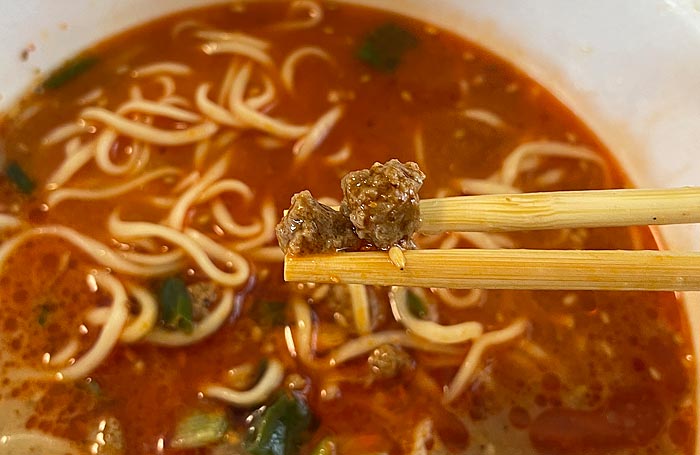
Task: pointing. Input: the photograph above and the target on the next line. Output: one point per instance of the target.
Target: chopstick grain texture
(561, 209)
(506, 269)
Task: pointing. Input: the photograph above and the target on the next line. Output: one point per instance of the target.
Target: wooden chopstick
(506, 269)
(561, 209)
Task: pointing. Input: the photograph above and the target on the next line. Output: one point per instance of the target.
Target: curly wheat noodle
(238, 48)
(176, 217)
(100, 252)
(302, 340)
(339, 157)
(81, 194)
(267, 95)
(232, 70)
(228, 224)
(485, 186)
(268, 383)
(174, 257)
(366, 343)
(254, 118)
(137, 130)
(109, 335)
(37, 442)
(91, 97)
(292, 60)
(73, 163)
(67, 352)
(9, 222)
(360, 308)
(140, 229)
(158, 68)
(269, 216)
(219, 252)
(486, 117)
(470, 299)
(214, 111)
(431, 331)
(511, 167)
(103, 148)
(64, 132)
(315, 16)
(305, 146)
(242, 38)
(137, 326)
(471, 361)
(202, 329)
(158, 109)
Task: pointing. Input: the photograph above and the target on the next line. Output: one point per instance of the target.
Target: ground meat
(388, 361)
(203, 295)
(382, 202)
(311, 227)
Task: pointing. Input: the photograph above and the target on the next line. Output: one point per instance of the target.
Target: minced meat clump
(382, 202)
(380, 205)
(311, 227)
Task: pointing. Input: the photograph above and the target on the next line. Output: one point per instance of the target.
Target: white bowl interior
(627, 68)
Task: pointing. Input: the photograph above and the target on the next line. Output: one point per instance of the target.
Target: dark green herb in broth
(69, 71)
(176, 305)
(384, 47)
(19, 178)
(280, 428)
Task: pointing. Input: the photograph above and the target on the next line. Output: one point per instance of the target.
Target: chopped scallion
(69, 71)
(416, 305)
(176, 305)
(19, 178)
(200, 429)
(280, 428)
(385, 46)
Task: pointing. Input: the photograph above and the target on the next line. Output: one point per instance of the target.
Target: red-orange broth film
(143, 306)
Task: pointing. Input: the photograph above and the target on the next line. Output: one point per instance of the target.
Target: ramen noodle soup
(143, 305)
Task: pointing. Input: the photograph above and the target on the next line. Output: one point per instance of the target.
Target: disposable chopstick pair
(527, 269)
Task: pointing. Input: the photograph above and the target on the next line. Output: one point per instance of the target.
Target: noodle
(202, 329)
(242, 38)
(98, 251)
(174, 68)
(290, 63)
(109, 335)
(431, 331)
(60, 195)
(268, 383)
(74, 162)
(366, 343)
(213, 110)
(256, 119)
(315, 16)
(485, 341)
(63, 132)
(318, 132)
(238, 48)
(176, 217)
(148, 133)
(160, 109)
(511, 167)
(9, 222)
(485, 117)
(140, 229)
(360, 308)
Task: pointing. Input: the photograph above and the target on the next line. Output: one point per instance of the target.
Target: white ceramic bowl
(629, 68)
